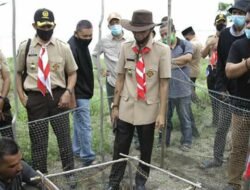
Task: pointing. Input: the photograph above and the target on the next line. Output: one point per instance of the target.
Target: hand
(160, 122)
(212, 41)
(105, 73)
(224, 96)
(64, 100)
(114, 114)
(24, 100)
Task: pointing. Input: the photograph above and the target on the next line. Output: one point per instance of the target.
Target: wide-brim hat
(240, 5)
(141, 20)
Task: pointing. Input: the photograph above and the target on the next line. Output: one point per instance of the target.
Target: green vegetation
(53, 154)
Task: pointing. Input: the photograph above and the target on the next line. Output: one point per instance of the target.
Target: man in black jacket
(223, 84)
(84, 91)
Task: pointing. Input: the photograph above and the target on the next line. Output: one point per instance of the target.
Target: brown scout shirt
(61, 61)
(157, 65)
(3, 68)
(195, 63)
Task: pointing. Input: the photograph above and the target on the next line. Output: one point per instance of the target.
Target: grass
(53, 155)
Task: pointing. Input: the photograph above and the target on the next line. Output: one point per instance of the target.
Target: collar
(235, 33)
(35, 41)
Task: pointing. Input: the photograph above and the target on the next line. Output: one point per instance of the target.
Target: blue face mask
(238, 20)
(247, 32)
(116, 29)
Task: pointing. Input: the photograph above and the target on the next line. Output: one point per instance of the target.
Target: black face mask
(44, 35)
(83, 42)
(220, 27)
(144, 40)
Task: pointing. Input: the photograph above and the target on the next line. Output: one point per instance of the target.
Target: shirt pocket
(32, 64)
(130, 69)
(151, 72)
(153, 100)
(56, 64)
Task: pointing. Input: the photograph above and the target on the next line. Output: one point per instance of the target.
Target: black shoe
(92, 162)
(140, 187)
(210, 164)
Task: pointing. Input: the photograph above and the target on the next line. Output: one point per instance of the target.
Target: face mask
(83, 42)
(247, 32)
(172, 39)
(165, 40)
(116, 29)
(238, 20)
(44, 35)
(220, 27)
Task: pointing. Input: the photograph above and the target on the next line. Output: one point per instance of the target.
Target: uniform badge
(45, 14)
(129, 71)
(55, 67)
(32, 66)
(150, 73)
(32, 53)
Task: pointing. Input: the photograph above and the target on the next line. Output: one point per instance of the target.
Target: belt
(38, 92)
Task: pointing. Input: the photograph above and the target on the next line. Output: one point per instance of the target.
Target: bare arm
(6, 83)
(211, 42)
(160, 120)
(237, 70)
(118, 89)
(205, 51)
(182, 60)
(21, 94)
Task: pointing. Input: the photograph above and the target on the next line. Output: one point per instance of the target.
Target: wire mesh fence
(215, 115)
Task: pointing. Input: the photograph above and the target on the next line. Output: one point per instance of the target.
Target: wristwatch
(113, 105)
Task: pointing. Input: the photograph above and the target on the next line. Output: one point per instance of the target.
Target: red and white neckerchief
(140, 72)
(43, 77)
(213, 59)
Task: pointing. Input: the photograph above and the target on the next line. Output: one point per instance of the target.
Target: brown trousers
(240, 138)
(40, 107)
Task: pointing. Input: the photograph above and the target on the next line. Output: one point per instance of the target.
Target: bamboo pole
(99, 77)
(14, 63)
(164, 128)
(101, 88)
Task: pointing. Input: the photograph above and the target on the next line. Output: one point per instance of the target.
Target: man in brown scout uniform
(51, 77)
(140, 95)
(5, 113)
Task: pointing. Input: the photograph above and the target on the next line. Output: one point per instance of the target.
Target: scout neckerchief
(43, 77)
(213, 59)
(140, 72)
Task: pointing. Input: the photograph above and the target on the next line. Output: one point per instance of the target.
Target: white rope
(198, 185)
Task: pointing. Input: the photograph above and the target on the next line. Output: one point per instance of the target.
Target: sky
(197, 13)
